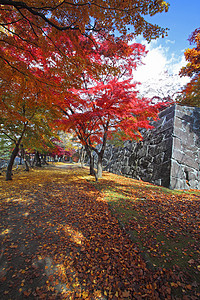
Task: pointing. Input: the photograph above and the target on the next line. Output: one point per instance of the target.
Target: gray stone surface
(168, 155)
(148, 159)
(186, 148)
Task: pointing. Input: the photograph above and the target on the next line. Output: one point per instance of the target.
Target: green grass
(159, 220)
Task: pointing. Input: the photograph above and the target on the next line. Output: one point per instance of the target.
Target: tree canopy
(83, 16)
(192, 56)
(108, 105)
(191, 93)
(32, 32)
(49, 48)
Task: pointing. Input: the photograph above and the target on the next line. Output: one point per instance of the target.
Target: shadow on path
(60, 241)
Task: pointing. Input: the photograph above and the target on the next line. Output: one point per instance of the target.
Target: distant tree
(64, 146)
(190, 95)
(25, 115)
(192, 56)
(5, 145)
(191, 92)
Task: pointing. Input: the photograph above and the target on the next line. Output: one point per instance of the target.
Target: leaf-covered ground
(63, 236)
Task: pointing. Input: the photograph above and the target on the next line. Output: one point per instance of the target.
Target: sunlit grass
(162, 223)
(162, 234)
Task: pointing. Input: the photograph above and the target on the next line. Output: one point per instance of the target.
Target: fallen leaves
(65, 243)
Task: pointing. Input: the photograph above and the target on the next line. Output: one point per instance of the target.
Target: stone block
(196, 113)
(158, 182)
(125, 161)
(177, 143)
(168, 133)
(178, 123)
(178, 184)
(182, 111)
(193, 184)
(125, 170)
(158, 159)
(170, 115)
(185, 137)
(146, 177)
(167, 155)
(167, 111)
(128, 145)
(187, 120)
(158, 139)
(191, 152)
(152, 150)
(167, 125)
(184, 159)
(143, 163)
(149, 158)
(142, 151)
(196, 125)
(165, 181)
(132, 159)
(161, 172)
(177, 170)
(162, 147)
(192, 173)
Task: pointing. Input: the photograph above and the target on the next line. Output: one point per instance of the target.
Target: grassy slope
(164, 223)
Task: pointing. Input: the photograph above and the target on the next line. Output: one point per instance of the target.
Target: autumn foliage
(190, 94)
(108, 105)
(73, 238)
(193, 56)
(47, 48)
(82, 16)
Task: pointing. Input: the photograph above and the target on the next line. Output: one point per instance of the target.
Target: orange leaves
(126, 294)
(159, 221)
(190, 95)
(192, 56)
(64, 209)
(27, 293)
(65, 17)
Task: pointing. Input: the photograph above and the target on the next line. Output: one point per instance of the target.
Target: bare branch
(9, 137)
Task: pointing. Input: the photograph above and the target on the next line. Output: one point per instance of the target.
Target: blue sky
(166, 55)
(182, 19)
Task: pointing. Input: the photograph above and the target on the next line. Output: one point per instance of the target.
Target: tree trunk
(45, 159)
(20, 162)
(82, 156)
(99, 165)
(26, 165)
(101, 153)
(26, 161)
(33, 162)
(38, 160)
(89, 153)
(11, 162)
(91, 164)
(24, 157)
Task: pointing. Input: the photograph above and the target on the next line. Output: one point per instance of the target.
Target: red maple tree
(109, 105)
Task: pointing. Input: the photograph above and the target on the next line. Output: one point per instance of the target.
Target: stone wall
(185, 162)
(168, 155)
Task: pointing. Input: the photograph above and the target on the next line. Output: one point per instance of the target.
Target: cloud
(160, 71)
(154, 63)
(170, 42)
